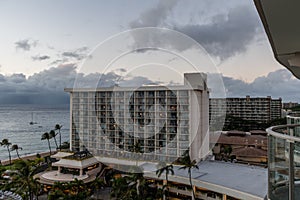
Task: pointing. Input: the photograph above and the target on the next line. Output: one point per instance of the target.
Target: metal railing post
(291, 171)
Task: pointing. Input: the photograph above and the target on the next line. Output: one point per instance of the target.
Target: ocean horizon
(15, 126)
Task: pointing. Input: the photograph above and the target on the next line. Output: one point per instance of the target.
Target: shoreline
(27, 157)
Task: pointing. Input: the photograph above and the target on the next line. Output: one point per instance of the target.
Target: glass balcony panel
(284, 162)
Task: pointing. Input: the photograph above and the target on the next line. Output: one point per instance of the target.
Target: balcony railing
(284, 162)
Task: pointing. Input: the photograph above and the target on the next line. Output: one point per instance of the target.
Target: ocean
(14, 126)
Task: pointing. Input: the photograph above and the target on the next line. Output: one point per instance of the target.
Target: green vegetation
(189, 165)
(22, 179)
(225, 153)
(65, 145)
(58, 127)
(134, 186)
(75, 190)
(296, 108)
(53, 135)
(97, 184)
(168, 169)
(16, 148)
(236, 123)
(5, 143)
(47, 136)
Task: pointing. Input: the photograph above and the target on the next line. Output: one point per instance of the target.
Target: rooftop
(249, 152)
(141, 88)
(258, 132)
(223, 177)
(238, 140)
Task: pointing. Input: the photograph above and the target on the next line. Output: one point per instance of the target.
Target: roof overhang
(61, 154)
(281, 22)
(76, 164)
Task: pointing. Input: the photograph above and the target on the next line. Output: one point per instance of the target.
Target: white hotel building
(164, 121)
(148, 123)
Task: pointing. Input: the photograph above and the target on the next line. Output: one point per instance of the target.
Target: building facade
(258, 109)
(289, 105)
(152, 123)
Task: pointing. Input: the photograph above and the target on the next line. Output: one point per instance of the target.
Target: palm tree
(133, 186)
(53, 135)
(16, 148)
(163, 167)
(58, 127)
(6, 143)
(188, 164)
(47, 136)
(24, 179)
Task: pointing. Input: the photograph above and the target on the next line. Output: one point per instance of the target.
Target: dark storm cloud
(26, 44)
(280, 83)
(41, 88)
(225, 35)
(2, 78)
(40, 57)
(47, 87)
(17, 78)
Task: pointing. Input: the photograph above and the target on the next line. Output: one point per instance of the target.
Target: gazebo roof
(76, 164)
(61, 154)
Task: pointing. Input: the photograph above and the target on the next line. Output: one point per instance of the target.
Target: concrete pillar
(224, 197)
(80, 172)
(58, 171)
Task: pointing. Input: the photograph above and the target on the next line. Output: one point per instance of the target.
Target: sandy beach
(27, 157)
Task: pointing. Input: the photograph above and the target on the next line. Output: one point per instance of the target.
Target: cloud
(280, 83)
(227, 34)
(47, 87)
(26, 44)
(77, 54)
(223, 36)
(17, 78)
(154, 16)
(57, 62)
(40, 57)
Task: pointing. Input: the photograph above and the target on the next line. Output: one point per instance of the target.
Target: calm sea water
(14, 126)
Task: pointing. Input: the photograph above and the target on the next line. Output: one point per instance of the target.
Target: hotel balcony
(284, 162)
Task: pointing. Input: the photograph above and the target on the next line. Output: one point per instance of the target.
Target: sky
(44, 45)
